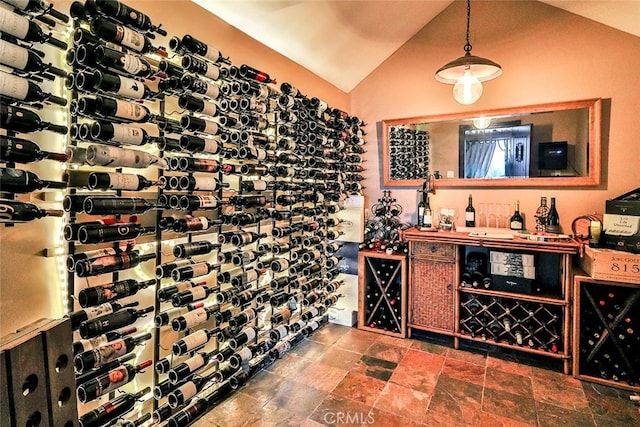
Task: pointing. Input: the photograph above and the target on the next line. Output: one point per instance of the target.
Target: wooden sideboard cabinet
(433, 274)
(513, 293)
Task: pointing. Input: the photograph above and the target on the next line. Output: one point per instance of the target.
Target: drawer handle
(449, 287)
(433, 249)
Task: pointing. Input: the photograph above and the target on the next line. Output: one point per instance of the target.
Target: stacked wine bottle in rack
(382, 230)
(408, 152)
(228, 182)
(608, 341)
(529, 324)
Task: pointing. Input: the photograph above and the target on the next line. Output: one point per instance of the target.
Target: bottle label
(259, 185)
(130, 110)
(20, 4)
(469, 216)
(210, 127)
(212, 72)
(197, 223)
(91, 343)
(13, 56)
(208, 201)
(210, 145)
(100, 310)
(107, 353)
(212, 54)
(13, 87)
(102, 155)
(123, 181)
(252, 275)
(200, 269)
(205, 183)
(198, 293)
(427, 219)
(129, 38)
(282, 331)
(195, 339)
(212, 91)
(116, 378)
(516, 225)
(13, 24)
(188, 390)
(130, 88)
(195, 362)
(132, 64)
(245, 354)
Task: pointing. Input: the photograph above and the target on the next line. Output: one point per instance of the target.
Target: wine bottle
(186, 391)
(245, 238)
(184, 250)
(517, 222)
(21, 89)
(196, 144)
(25, 151)
(104, 155)
(189, 164)
(133, 423)
(201, 183)
(190, 271)
(119, 133)
(110, 381)
(107, 353)
(127, 15)
(193, 341)
(80, 316)
(243, 318)
(20, 58)
(112, 321)
(125, 87)
(38, 7)
(246, 335)
(553, 219)
(100, 294)
(13, 211)
(197, 124)
(95, 342)
(93, 373)
(126, 110)
(542, 215)
(165, 293)
(111, 410)
(164, 270)
(21, 181)
(193, 294)
(131, 64)
(194, 317)
(198, 66)
(470, 214)
(190, 366)
(165, 318)
(116, 233)
(124, 36)
(118, 181)
(193, 202)
(24, 29)
(190, 44)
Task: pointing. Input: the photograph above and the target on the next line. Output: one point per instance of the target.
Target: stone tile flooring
(343, 376)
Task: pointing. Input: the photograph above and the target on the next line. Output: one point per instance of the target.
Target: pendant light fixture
(467, 72)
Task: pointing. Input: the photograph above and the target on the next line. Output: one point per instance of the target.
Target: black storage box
(622, 223)
(518, 285)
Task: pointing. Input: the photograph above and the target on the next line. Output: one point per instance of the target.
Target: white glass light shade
(467, 89)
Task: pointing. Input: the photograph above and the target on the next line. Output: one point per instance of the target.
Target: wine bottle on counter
(118, 181)
(470, 214)
(22, 90)
(100, 294)
(110, 381)
(95, 342)
(124, 36)
(112, 321)
(128, 16)
(22, 28)
(21, 181)
(13, 211)
(25, 151)
(80, 316)
(516, 222)
(103, 155)
(553, 219)
(26, 60)
(111, 410)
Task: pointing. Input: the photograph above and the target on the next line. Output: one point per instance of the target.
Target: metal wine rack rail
(241, 131)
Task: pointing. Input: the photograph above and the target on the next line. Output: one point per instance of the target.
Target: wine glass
(491, 216)
(507, 212)
(499, 216)
(481, 216)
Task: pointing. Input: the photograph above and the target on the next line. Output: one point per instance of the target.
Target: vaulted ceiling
(343, 41)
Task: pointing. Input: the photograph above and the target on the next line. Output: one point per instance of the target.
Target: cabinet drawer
(427, 249)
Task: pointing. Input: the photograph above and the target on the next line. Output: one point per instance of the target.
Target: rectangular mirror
(556, 144)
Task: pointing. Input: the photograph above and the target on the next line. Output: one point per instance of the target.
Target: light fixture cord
(467, 47)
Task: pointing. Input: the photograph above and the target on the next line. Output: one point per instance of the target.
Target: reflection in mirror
(541, 145)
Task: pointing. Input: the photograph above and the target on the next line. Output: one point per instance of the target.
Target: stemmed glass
(507, 212)
(482, 218)
(491, 216)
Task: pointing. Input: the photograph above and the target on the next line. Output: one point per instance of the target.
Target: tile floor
(342, 376)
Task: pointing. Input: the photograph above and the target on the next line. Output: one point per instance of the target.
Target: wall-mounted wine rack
(228, 182)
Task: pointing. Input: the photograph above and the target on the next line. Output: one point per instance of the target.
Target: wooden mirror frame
(594, 155)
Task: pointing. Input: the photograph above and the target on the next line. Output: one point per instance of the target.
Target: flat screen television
(552, 155)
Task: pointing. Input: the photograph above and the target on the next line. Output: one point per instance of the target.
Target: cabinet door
(432, 295)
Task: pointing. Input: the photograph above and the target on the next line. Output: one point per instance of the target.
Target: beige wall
(547, 55)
